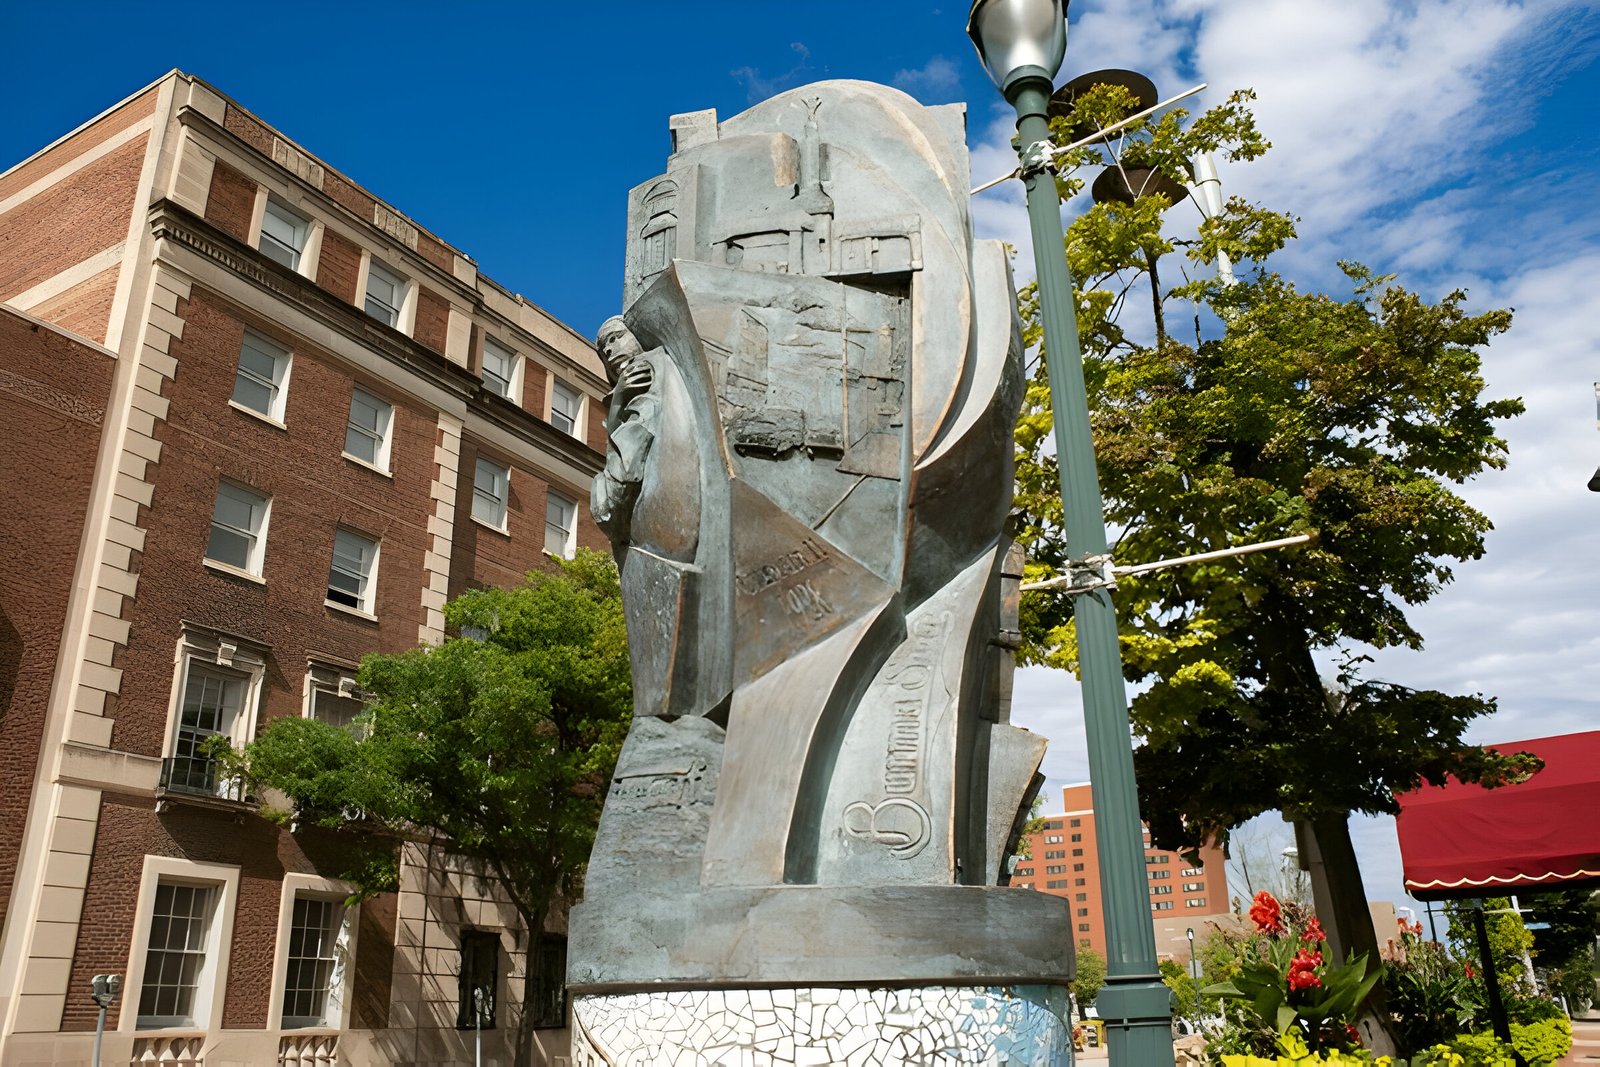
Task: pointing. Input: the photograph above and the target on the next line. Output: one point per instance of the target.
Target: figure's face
(617, 348)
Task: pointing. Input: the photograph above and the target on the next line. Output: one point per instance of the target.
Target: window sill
(344, 609)
(501, 530)
(228, 570)
(373, 467)
(257, 415)
(561, 555)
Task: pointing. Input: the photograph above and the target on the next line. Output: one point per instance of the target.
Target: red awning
(1462, 840)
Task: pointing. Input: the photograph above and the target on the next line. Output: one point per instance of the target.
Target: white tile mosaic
(1016, 1026)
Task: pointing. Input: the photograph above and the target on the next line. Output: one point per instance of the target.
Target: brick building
(1064, 861)
(258, 424)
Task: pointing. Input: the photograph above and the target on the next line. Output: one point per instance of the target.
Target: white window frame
(570, 532)
(274, 207)
(557, 387)
(283, 363)
(369, 581)
(337, 1009)
(256, 560)
(505, 501)
(405, 313)
(514, 364)
(210, 989)
(217, 650)
(380, 460)
(335, 679)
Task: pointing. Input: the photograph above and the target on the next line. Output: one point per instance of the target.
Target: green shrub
(1543, 1042)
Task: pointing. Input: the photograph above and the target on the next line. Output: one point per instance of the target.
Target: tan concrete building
(1064, 861)
(258, 424)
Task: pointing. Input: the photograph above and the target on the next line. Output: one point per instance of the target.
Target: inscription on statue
(663, 789)
(788, 565)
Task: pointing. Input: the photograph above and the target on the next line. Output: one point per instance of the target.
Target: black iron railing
(200, 777)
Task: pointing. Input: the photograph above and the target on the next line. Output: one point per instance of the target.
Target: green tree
(1351, 416)
(1089, 977)
(1564, 948)
(1185, 999)
(496, 746)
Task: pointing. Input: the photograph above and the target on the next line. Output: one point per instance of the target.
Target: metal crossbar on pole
(1092, 138)
(1071, 580)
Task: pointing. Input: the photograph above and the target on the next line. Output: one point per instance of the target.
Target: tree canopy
(1350, 416)
(498, 744)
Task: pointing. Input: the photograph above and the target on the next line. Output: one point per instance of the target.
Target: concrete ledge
(820, 935)
(107, 768)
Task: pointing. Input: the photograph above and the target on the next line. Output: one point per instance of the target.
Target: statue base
(852, 1026)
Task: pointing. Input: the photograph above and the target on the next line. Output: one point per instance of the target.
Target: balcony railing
(199, 777)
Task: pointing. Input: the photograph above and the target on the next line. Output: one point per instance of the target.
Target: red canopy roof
(1462, 840)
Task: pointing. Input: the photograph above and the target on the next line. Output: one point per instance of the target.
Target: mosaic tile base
(855, 1027)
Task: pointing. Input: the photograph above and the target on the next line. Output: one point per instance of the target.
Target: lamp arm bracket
(1038, 157)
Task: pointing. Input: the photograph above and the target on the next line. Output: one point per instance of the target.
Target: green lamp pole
(1022, 44)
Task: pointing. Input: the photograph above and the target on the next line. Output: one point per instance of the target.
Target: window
(312, 958)
(490, 482)
(549, 997)
(1083, 913)
(1161, 905)
(560, 523)
(1052, 824)
(1080, 881)
(500, 366)
(1056, 868)
(366, 433)
(1077, 852)
(1163, 859)
(263, 372)
(565, 403)
(1197, 902)
(1057, 884)
(1056, 854)
(1160, 890)
(1191, 872)
(213, 701)
(283, 235)
(1024, 871)
(1053, 839)
(1194, 887)
(386, 292)
(1077, 822)
(1077, 866)
(332, 697)
(1083, 928)
(478, 980)
(238, 528)
(1080, 897)
(175, 956)
(1077, 837)
(1160, 874)
(355, 562)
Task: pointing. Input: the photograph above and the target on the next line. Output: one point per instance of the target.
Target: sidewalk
(1585, 1043)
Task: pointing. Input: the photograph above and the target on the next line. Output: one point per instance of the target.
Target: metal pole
(1134, 1004)
(1194, 964)
(99, 1034)
(477, 1026)
(1491, 980)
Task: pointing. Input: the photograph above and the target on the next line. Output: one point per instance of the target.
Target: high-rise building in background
(1063, 860)
(258, 423)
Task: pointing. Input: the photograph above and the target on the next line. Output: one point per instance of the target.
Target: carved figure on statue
(633, 414)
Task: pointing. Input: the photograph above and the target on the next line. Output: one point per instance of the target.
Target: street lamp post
(103, 989)
(1022, 44)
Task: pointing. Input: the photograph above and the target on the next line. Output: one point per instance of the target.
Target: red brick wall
(231, 202)
(597, 424)
(247, 129)
(338, 266)
(129, 830)
(481, 556)
(433, 320)
(353, 197)
(53, 393)
(314, 490)
(85, 308)
(108, 127)
(535, 387)
(436, 252)
(70, 221)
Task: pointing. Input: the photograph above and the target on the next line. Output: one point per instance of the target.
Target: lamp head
(1019, 39)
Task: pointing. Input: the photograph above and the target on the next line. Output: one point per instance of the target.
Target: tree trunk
(1341, 901)
(1155, 301)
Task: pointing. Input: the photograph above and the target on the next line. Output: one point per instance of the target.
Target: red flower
(1353, 1034)
(1314, 931)
(1266, 914)
(1470, 972)
(1303, 971)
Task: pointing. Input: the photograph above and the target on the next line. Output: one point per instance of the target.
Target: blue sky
(1452, 141)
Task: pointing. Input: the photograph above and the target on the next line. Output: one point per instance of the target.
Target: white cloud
(936, 81)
